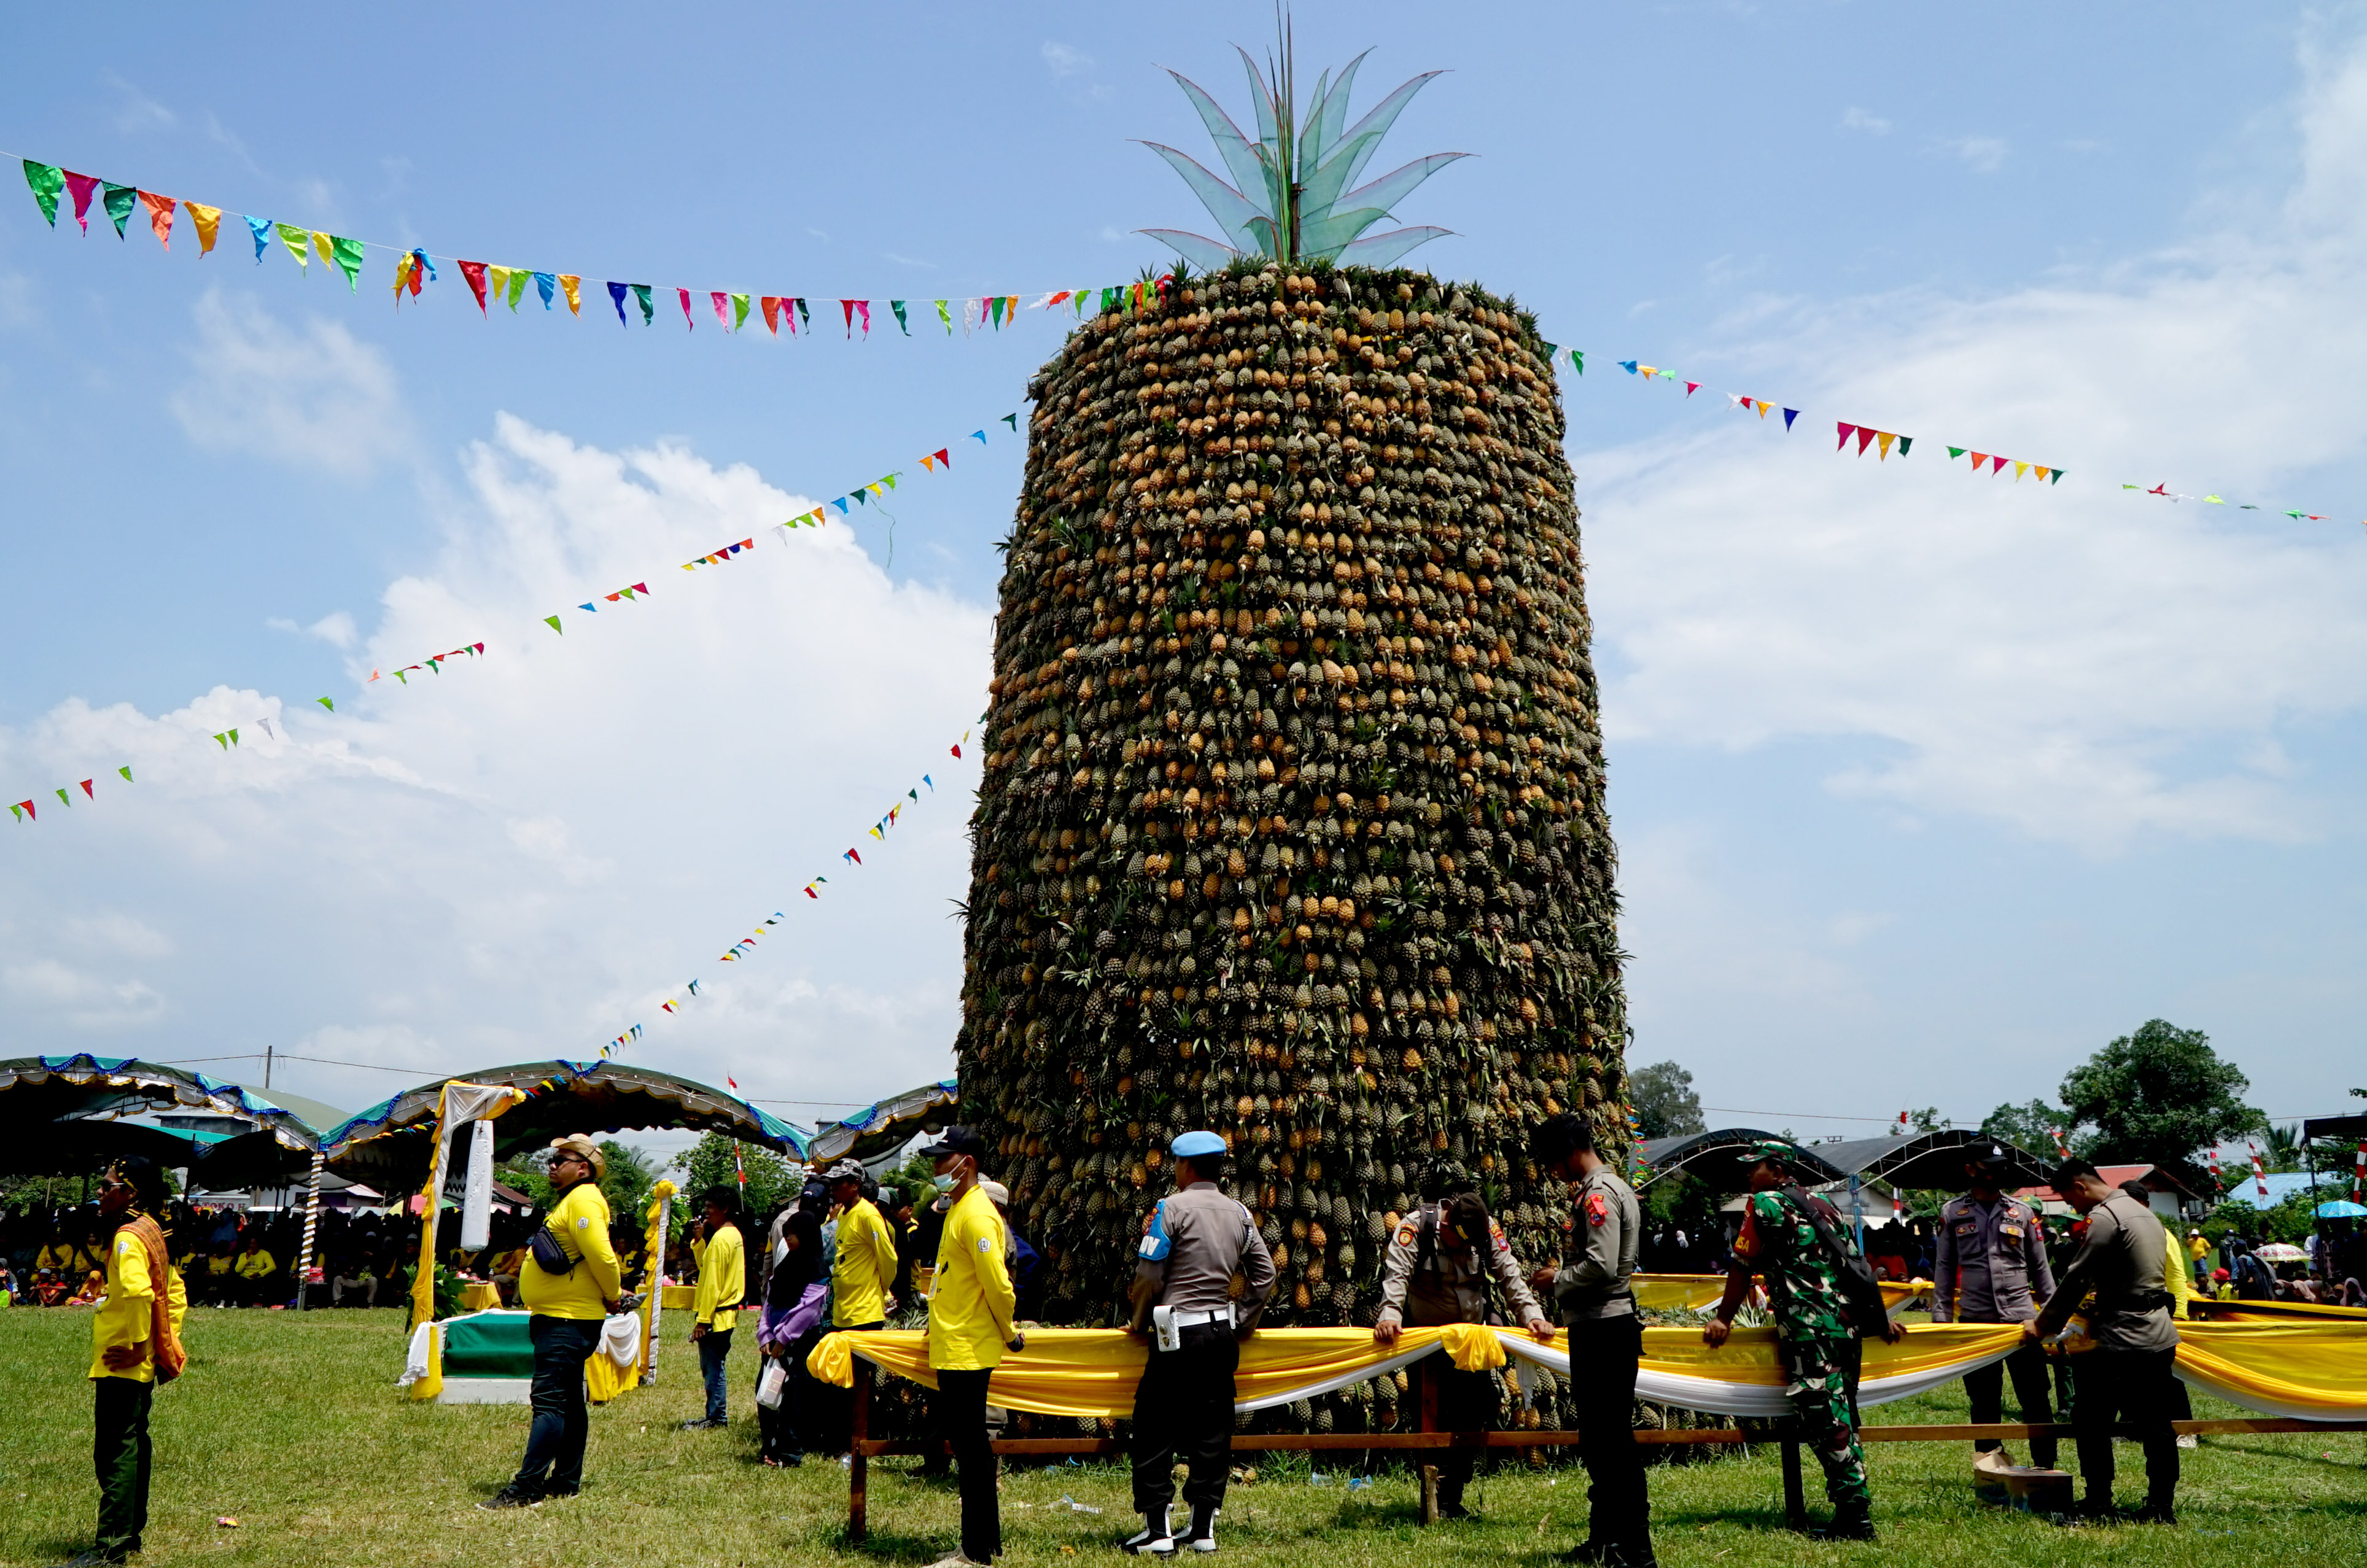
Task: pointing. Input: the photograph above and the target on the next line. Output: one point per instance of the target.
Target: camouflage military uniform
(1819, 1348)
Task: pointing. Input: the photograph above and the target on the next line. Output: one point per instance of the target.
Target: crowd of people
(2099, 1301)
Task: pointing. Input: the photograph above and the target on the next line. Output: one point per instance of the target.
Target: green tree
(2158, 1095)
(1664, 1101)
(772, 1180)
(626, 1182)
(2031, 1127)
(2280, 1146)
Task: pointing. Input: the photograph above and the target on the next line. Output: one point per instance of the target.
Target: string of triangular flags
(490, 284)
(938, 461)
(1882, 441)
(741, 950)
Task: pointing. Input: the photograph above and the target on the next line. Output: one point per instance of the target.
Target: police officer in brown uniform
(1197, 1241)
(1439, 1265)
(1990, 1266)
(1606, 1339)
(2130, 1377)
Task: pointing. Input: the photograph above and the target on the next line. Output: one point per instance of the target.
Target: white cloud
(1066, 60)
(45, 989)
(135, 111)
(1859, 120)
(2075, 660)
(1983, 154)
(337, 628)
(518, 859)
(310, 398)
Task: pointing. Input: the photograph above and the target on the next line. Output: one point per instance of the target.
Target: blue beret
(1190, 1146)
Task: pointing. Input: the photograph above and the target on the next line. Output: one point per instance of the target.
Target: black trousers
(1986, 1387)
(1602, 1357)
(1184, 1402)
(554, 1442)
(1466, 1403)
(961, 1403)
(2136, 1389)
(121, 1453)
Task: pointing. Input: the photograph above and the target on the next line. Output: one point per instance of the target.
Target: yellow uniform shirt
(256, 1265)
(971, 1303)
(125, 1317)
(865, 1269)
(722, 1282)
(218, 1264)
(580, 1220)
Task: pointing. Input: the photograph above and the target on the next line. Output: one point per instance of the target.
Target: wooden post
(1429, 1424)
(858, 1461)
(1796, 1502)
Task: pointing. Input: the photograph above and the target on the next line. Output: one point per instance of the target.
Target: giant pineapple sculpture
(1292, 823)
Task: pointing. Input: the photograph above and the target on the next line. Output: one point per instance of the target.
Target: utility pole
(266, 1066)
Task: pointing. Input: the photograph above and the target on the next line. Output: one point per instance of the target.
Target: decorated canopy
(1716, 1159)
(389, 1144)
(1934, 1160)
(876, 1129)
(57, 1114)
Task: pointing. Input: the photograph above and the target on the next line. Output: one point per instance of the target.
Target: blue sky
(1939, 782)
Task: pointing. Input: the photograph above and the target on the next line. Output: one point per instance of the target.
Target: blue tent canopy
(881, 1126)
(389, 1144)
(52, 1109)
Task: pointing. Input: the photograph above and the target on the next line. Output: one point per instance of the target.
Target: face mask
(947, 1180)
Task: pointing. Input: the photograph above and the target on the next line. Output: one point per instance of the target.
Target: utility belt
(1168, 1324)
(2141, 1300)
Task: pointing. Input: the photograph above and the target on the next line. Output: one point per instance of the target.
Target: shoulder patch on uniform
(1496, 1231)
(1405, 1234)
(1598, 1209)
(983, 1244)
(582, 1221)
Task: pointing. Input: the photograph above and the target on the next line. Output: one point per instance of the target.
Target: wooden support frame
(865, 1447)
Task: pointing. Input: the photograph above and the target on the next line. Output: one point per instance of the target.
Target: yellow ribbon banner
(2315, 1372)
(1695, 1292)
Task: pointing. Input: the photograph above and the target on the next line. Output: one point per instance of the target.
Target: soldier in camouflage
(1820, 1349)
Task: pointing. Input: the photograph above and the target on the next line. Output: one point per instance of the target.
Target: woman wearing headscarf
(788, 1331)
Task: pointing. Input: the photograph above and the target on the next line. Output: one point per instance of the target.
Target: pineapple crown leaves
(1290, 198)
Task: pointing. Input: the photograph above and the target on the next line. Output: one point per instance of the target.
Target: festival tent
(877, 1129)
(1932, 1161)
(1715, 1158)
(61, 1115)
(391, 1145)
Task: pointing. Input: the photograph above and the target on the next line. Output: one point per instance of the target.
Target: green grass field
(291, 1424)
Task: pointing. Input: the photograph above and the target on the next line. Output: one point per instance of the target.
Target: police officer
(1991, 1268)
(2129, 1376)
(1440, 1261)
(1606, 1339)
(1197, 1241)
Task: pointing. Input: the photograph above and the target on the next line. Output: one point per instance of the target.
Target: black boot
(1203, 1536)
(1851, 1521)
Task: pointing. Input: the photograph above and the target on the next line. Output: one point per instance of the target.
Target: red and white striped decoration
(2358, 1171)
(2260, 1170)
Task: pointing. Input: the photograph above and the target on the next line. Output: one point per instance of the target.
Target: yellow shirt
(580, 1220)
(256, 1265)
(124, 1318)
(2174, 1275)
(217, 1264)
(970, 1305)
(864, 1269)
(722, 1282)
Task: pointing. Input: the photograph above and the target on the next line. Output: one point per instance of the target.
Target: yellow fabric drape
(1694, 1293)
(2313, 1370)
(1093, 1372)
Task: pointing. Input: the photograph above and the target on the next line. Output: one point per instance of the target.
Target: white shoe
(1205, 1542)
(1152, 1540)
(955, 1560)
(2188, 1440)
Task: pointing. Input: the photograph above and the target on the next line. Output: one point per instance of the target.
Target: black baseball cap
(1987, 1152)
(957, 1139)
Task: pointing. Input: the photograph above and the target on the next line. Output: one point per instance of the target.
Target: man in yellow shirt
(570, 1305)
(861, 1280)
(129, 1342)
(714, 1306)
(970, 1306)
(254, 1269)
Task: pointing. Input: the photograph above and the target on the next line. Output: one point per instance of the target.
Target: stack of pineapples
(1293, 823)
